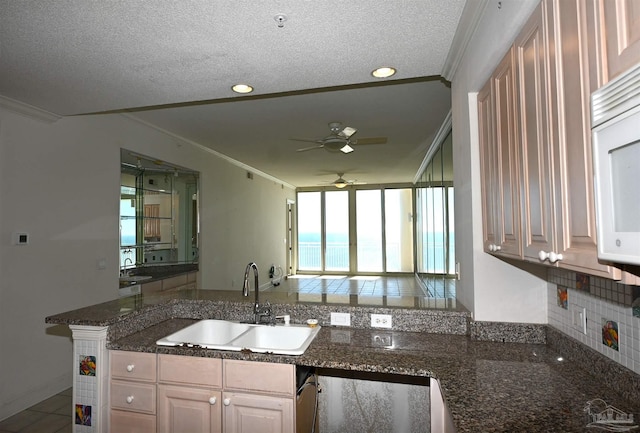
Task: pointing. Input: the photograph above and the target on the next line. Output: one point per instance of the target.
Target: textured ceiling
(74, 57)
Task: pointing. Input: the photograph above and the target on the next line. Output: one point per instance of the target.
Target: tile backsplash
(612, 329)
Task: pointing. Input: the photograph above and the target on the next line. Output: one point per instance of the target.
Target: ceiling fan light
(346, 149)
(242, 88)
(340, 184)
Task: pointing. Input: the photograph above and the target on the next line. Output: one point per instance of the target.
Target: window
(355, 230)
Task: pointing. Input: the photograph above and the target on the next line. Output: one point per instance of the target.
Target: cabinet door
(250, 413)
(576, 77)
(508, 202)
(622, 35)
(488, 183)
(534, 136)
(188, 409)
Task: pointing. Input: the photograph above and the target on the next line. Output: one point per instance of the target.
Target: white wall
(492, 289)
(60, 183)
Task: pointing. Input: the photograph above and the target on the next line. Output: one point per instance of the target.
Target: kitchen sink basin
(226, 335)
(206, 333)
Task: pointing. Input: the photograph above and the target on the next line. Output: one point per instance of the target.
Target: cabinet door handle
(212, 400)
(226, 401)
(130, 399)
(130, 367)
(553, 257)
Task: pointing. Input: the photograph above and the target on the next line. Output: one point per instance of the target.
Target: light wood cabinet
(488, 167)
(189, 394)
(249, 413)
(534, 139)
(132, 394)
(189, 409)
(246, 407)
(621, 36)
(574, 77)
(500, 162)
(213, 395)
(556, 67)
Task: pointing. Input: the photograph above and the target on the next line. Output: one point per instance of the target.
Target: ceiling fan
(341, 139)
(340, 182)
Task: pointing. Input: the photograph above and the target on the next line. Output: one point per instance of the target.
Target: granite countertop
(487, 386)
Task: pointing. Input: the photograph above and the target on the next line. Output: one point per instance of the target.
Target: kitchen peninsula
(486, 385)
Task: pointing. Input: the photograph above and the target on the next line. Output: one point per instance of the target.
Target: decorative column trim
(90, 370)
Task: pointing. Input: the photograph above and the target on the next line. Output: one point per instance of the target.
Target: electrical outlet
(340, 319)
(381, 320)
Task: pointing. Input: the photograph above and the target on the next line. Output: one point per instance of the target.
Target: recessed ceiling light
(383, 72)
(242, 88)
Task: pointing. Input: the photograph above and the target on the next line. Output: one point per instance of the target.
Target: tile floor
(357, 285)
(52, 415)
(437, 287)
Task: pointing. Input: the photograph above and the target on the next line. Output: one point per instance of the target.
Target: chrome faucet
(125, 273)
(258, 312)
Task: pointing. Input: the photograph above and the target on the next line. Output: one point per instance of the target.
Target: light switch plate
(580, 318)
(340, 319)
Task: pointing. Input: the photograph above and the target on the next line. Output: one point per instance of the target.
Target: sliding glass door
(369, 230)
(356, 231)
(336, 217)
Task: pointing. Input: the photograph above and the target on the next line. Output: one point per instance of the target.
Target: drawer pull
(212, 400)
(227, 401)
(130, 399)
(130, 367)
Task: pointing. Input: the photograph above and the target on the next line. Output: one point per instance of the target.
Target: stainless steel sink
(226, 335)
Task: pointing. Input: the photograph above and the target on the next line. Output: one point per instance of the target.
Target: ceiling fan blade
(370, 140)
(347, 132)
(304, 149)
(307, 140)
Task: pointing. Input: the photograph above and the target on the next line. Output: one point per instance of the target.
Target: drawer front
(259, 376)
(132, 396)
(131, 422)
(133, 366)
(191, 370)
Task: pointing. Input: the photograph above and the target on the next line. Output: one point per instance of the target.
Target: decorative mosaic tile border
(603, 288)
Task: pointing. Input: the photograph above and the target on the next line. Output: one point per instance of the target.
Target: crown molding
(28, 110)
(469, 20)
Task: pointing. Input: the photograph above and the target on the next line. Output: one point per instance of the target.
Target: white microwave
(615, 110)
